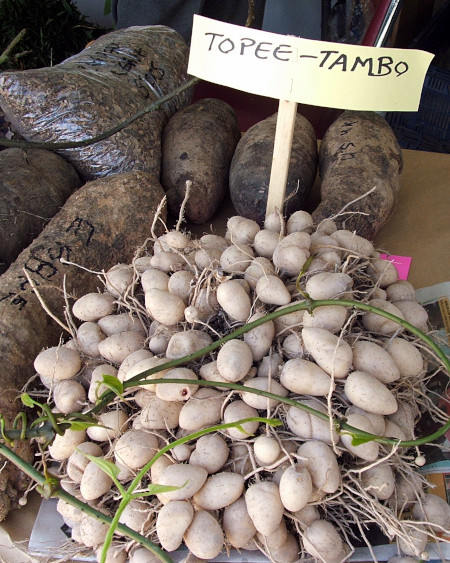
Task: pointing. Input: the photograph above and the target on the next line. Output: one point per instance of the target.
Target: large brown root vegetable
(114, 77)
(358, 153)
(34, 185)
(198, 144)
(252, 162)
(101, 224)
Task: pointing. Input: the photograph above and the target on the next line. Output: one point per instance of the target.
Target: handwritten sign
(311, 72)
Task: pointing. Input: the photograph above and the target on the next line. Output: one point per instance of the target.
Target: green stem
(408, 326)
(41, 480)
(51, 418)
(86, 142)
(22, 418)
(122, 528)
(194, 436)
(346, 428)
(113, 527)
(308, 305)
(340, 426)
(44, 431)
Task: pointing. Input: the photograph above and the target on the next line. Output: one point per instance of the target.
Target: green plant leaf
(156, 489)
(273, 422)
(79, 424)
(48, 487)
(113, 383)
(241, 429)
(359, 440)
(27, 400)
(107, 466)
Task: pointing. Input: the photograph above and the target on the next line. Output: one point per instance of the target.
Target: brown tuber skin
(252, 162)
(198, 144)
(100, 225)
(358, 152)
(34, 185)
(114, 77)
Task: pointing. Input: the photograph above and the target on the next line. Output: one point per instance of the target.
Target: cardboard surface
(419, 227)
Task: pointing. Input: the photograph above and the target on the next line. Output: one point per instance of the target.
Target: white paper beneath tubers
(48, 538)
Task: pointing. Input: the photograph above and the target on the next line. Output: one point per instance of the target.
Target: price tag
(295, 70)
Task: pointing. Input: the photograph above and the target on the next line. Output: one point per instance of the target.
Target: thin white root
(44, 305)
(181, 218)
(157, 217)
(341, 212)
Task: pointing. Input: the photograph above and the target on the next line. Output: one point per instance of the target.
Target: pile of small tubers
(303, 489)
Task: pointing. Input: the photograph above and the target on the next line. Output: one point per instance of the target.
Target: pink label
(402, 263)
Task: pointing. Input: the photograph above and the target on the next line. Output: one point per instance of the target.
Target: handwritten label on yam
(42, 263)
(307, 71)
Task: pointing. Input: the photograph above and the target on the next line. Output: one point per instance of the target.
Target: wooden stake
(284, 133)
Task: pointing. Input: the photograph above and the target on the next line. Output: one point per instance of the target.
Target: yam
(34, 185)
(251, 165)
(95, 229)
(359, 152)
(198, 144)
(111, 79)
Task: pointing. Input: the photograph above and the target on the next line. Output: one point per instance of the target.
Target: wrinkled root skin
(359, 152)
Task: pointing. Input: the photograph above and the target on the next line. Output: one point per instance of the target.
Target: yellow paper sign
(318, 73)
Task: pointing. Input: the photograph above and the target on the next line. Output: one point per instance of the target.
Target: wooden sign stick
(284, 133)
